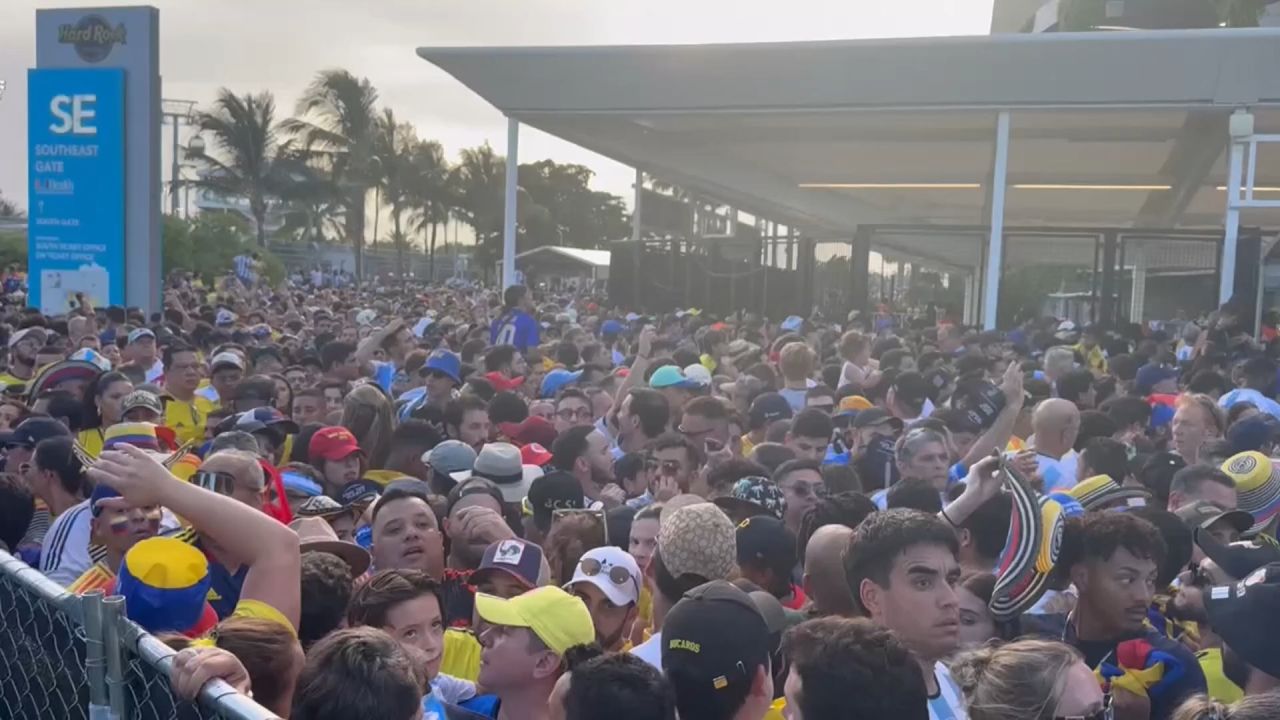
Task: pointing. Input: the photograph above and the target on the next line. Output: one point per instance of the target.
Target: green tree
(9, 209)
(564, 210)
(397, 174)
(337, 117)
(243, 129)
(433, 195)
(208, 244)
(478, 178)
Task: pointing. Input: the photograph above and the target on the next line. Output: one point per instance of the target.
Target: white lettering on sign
(74, 120)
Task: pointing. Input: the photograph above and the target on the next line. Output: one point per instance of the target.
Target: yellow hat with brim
(560, 620)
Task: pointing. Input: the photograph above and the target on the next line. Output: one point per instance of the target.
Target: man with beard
(23, 347)
(607, 580)
(584, 453)
(1119, 558)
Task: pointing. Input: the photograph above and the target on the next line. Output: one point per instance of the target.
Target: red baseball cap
(502, 383)
(535, 454)
(532, 429)
(333, 443)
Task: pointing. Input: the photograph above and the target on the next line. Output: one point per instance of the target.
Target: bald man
(1056, 423)
(824, 577)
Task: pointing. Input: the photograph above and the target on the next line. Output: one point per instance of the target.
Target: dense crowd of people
(452, 502)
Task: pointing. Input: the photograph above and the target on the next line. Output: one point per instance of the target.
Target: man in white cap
(24, 344)
(607, 580)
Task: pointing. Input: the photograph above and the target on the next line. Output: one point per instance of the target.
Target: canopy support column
(509, 206)
(995, 243)
(635, 206)
(860, 271)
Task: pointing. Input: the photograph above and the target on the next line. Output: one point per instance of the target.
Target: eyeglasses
(617, 574)
(669, 467)
(1106, 712)
(568, 414)
(219, 482)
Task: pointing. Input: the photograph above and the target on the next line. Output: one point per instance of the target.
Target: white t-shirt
(1058, 474)
(948, 704)
(156, 371)
(850, 373)
(64, 554)
(650, 650)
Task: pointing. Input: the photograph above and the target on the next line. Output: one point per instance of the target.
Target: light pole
(178, 113)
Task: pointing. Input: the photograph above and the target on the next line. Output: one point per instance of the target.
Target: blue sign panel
(75, 168)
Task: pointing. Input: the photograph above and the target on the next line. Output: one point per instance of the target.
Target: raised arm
(267, 547)
(997, 436)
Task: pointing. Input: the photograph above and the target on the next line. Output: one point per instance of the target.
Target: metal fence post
(112, 616)
(95, 655)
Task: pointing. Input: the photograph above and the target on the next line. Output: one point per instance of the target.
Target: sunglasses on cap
(1106, 712)
(218, 482)
(617, 574)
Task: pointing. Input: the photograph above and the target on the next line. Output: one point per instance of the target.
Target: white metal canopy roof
(1107, 129)
(594, 258)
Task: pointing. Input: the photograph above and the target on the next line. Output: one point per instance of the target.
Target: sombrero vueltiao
(1030, 552)
(141, 435)
(53, 374)
(1100, 490)
(1257, 480)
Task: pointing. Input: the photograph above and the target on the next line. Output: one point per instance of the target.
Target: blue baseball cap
(445, 362)
(556, 379)
(1150, 375)
(792, 324)
(669, 376)
(611, 327)
(1253, 433)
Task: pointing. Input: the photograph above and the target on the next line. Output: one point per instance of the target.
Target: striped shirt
(64, 554)
(98, 577)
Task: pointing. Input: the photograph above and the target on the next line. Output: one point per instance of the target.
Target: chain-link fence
(64, 657)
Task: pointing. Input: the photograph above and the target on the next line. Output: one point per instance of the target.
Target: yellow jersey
(461, 657)
(7, 379)
(92, 441)
(187, 420)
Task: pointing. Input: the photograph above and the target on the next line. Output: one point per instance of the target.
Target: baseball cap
(713, 640)
(332, 443)
(502, 383)
(611, 327)
(445, 362)
(911, 389)
(852, 405)
(764, 539)
(755, 495)
(981, 402)
(1150, 375)
(553, 381)
(1239, 612)
(33, 430)
(449, 457)
(669, 376)
(698, 540)
(142, 399)
(360, 493)
(697, 376)
(1253, 433)
(225, 360)
(532, 429)
(560, 620)
(35, 331)
(252, 421)
(613, 571)
(535, 454)
(139, 334)
(791, 324)
(1204, 514)
(874, 416)
(499, 463)
(1237, 559)
(766, 409)
(1257, 481)
(101, 492)
(520, 559)
(557, 490)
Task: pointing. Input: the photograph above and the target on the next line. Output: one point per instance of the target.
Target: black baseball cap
(1240, 612)
(980, 400)
(765, 540)
(874, 416)
(1238, 559)
(557, 490)
(31, 431)
(766, 409)
(911, 389)
(713, 640)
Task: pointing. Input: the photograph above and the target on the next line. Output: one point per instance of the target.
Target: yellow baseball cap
(560, 620)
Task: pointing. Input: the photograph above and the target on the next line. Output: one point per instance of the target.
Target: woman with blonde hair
(367, 413)
(1029, 680)
(1255, 707)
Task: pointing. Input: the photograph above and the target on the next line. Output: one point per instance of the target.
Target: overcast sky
(279, 45)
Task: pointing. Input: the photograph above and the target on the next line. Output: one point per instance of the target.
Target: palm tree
(478, 178)
(243, 129)
(8, 209)
(433, 195)
(336, 116)
(394, 147)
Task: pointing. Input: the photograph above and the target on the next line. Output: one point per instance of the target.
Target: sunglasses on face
(617, 574)
(218, 482)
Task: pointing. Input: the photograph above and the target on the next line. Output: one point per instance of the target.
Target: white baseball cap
(698, 374)
(226, 359)
(613, 571)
